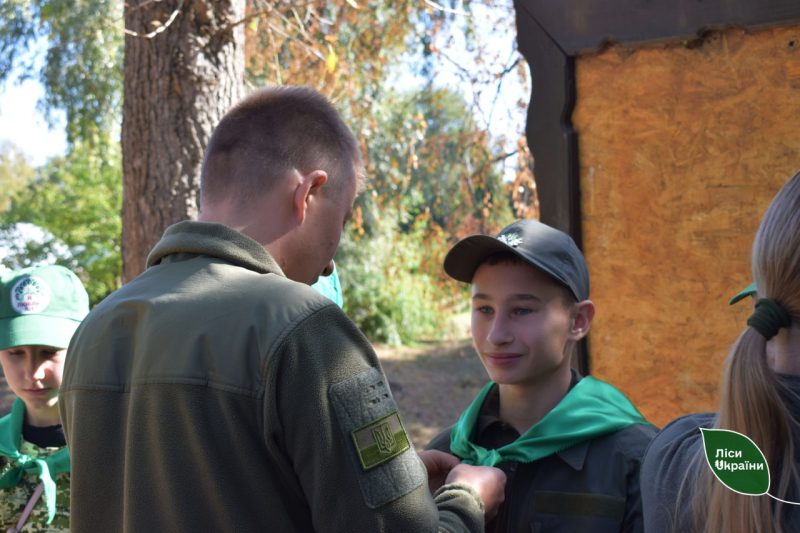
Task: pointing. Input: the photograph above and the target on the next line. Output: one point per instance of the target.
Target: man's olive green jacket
(211, 393)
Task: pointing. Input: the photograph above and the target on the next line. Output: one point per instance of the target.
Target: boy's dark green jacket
(211, 393)
(592, 485)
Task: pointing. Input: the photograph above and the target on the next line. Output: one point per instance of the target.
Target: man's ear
(582, 315)
(307, 185)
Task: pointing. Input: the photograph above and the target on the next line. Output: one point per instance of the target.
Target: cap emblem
(30, 294)
(512, 239)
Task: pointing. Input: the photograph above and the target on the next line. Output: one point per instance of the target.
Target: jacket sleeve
(329, 407)
(672, 458)
(637, 440)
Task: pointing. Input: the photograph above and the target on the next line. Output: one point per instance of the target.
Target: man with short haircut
(219, 392)
(570, 445)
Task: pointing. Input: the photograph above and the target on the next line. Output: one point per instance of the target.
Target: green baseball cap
(744, 293)
(40, 306)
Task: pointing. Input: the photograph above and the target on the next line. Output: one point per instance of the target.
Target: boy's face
(34, 373)
(521, 324)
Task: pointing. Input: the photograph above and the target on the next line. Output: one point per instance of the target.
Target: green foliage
(15, 172)
(82, 70)
(77, 200)
(428, 157)
(390, 290)
(431, 181)
(343, 48)
(16, 33)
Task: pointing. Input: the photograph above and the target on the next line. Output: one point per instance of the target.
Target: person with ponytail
(760, 398)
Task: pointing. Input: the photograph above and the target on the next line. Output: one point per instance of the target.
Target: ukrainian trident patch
(380, 440)
(387, 465)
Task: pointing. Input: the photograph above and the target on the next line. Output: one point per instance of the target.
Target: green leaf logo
(736, 461)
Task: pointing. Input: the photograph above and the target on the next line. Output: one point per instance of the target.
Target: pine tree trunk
(178, 84)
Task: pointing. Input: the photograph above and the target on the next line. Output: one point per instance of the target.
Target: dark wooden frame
(551, 33)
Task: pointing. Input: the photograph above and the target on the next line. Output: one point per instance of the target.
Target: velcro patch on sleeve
(388, 467)
(379, 441)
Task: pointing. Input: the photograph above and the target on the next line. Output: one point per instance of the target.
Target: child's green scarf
(590, 409)
(46, 467)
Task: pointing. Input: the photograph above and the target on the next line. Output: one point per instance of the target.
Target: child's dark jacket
(592, 486)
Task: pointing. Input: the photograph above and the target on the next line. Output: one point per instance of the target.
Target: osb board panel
(681, 150)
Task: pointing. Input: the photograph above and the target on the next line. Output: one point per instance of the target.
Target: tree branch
(440, 7)
(161, 28)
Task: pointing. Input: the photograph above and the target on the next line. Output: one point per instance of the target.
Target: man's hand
(489, 482)
(438, 464)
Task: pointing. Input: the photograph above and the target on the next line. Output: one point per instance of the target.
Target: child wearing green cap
(40, 308)
(570, 445)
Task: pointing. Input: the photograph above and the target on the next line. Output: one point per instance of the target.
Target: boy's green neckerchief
(590, 409)
(47, 467)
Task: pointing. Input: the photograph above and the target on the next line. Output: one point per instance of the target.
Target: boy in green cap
(570, 445)
(40, 308)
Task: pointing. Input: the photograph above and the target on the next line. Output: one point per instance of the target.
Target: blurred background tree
(15, 172)
(76, 201)
(433, 180)
(72, 201)
(419, 83)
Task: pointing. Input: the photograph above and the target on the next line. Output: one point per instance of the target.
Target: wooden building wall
(682, 146)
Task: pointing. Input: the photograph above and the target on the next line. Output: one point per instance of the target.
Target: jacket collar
(217, 240)
(490, 411)
(574, 456)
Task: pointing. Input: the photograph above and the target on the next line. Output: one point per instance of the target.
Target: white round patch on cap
(30, 294)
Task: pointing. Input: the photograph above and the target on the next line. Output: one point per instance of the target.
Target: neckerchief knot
(46, 467)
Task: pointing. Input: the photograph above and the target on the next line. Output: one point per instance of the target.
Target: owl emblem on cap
(512, 239)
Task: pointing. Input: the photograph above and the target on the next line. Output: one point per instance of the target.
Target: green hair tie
(769, 317)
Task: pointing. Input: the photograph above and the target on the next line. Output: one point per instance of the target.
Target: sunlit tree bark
(183, 68)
